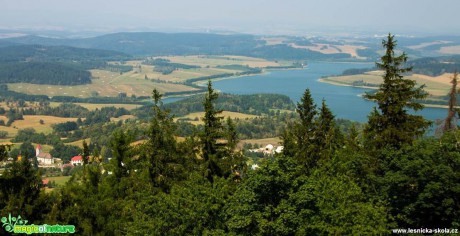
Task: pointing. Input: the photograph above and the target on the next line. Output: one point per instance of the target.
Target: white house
(43, 157)
(76, 160)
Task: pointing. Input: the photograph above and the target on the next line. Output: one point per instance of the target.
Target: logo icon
(9, 222)
(18, 225)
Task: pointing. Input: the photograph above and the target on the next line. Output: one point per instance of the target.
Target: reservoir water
(345, 102)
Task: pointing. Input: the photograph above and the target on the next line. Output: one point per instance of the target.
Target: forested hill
(432, 66)
(436, 66)
(61, 65)
(160, 44)
(56, 53)
(256, 104)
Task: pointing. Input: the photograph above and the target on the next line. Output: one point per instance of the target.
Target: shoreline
(322, 80)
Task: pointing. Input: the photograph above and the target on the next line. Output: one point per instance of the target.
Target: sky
(246, 16)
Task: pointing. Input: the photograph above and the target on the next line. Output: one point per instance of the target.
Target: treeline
(165, 66)
(5, 94)
(57, 65)
(249, 71)
(43, 73)
(432, 66)
(256, 104)
(436, 66)
(285, 52)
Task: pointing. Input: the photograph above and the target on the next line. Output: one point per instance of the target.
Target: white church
(43, 158)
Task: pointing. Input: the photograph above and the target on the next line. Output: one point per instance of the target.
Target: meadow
(142, 79)
(32, 121)
(195, 118)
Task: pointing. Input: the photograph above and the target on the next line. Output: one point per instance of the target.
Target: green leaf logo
(10, 222)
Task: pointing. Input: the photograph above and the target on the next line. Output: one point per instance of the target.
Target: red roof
(76, 158)
(45, 181)
(38, 146)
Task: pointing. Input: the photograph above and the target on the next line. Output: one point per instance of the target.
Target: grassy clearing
(122, 118)
(195, 118)
(33, 122)
(59, 180)
(435, 86)
(261, 142)
(105, 84)
(79, 143)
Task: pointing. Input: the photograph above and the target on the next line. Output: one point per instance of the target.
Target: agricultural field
(435, 86)
(214, 61)
(143, 79)
(195, 118)
(79, 143)
(330, 49)
(105, 83)
(32, 121)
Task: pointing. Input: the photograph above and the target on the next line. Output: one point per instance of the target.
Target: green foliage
(166, 67)
(43, 73)
(421, 182)
(160, 152)
(392, 125)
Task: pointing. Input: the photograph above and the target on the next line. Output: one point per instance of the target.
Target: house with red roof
(76, 160)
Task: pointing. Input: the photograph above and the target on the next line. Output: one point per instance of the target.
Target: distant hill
(432, 66)
(61, 65)
(161, 44)
(436, 66)
(57, 53)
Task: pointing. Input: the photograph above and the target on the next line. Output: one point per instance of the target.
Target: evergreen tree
(328, 136)
(213, 131)
(391, 125)
(85, 155)
(450, 123)
(160, 150)
(232, 135)
(297, 138)
(4, 152)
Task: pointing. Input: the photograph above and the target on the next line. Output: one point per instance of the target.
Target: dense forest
(325, 182)
(432, 66)
(59, 65)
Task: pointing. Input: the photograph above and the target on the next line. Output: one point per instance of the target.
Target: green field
(33, 122)
(195, 118)
(143, 79)
(60, 180)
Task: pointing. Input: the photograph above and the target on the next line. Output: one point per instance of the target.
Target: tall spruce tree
(450, 123)
(160, 150)
(392, 125)
(213, 131)
(304, 130)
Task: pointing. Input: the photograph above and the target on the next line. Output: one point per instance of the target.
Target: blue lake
(345, 102)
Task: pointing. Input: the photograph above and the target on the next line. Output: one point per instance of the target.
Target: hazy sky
(256, 16)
